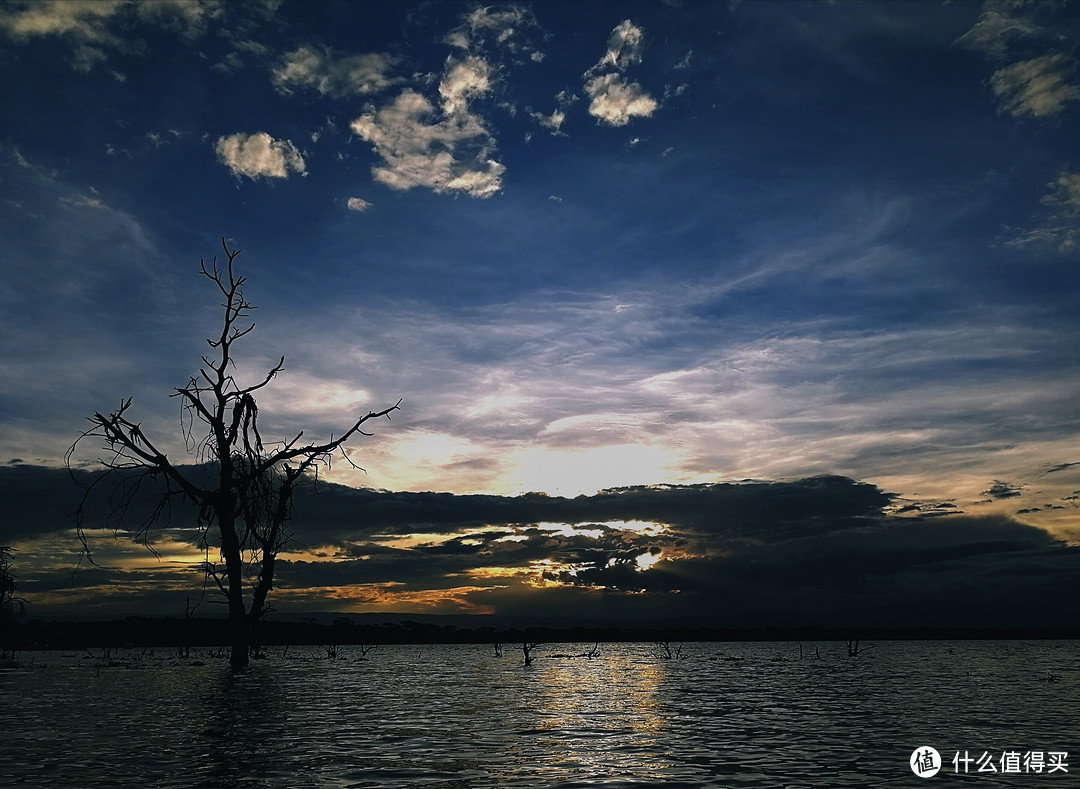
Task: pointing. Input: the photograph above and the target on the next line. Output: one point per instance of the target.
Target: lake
(725, 715)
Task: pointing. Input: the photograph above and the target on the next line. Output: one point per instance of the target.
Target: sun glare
(575, 472)
(647, 560)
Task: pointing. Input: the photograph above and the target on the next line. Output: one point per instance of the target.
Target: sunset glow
(658, 305)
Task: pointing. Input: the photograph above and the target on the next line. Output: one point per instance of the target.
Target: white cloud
(60, 17)
(458, 39)
(447, 154)
(464, 80)
(996, 25)
(257, 155)
(565, 98)
(479, 183)
(624, 47)
(353, 75)
(1066, 192)
(616, 101)
(501, 20)
(85, 24)
(188, 17)
(1037, 87)
(89, 25)
(82, 201)
(357, 204)
(502, 23)
(554, 121)
(1062, 227)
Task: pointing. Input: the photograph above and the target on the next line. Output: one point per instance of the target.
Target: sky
(747, 313)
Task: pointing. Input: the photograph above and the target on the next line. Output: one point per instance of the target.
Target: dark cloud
(764, 510)
(929, 509)
(1002, 490)
(37, 501)
(813, 551)
(1061, 467)
(966, 571)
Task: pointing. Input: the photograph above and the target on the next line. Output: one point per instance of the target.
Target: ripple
(460, 717)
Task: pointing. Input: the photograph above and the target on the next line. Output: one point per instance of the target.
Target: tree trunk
(234, 570)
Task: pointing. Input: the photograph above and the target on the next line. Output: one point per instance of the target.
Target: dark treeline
(164, 632)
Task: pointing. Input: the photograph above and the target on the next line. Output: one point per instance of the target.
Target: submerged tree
(10, 605)
(244, 492)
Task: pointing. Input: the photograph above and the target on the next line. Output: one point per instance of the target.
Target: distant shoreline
(198, 632)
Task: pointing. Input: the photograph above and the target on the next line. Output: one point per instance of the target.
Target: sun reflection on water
(584, 704)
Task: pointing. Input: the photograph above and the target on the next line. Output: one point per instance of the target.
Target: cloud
(82, 201)
(355, 75)
(445, 154)
(553, 122)
(464, 80)
(502, 25)
(259, 155)
(60, 17)
(1066, 193)
(89, 26)
(357, 204)
(812, 551)
(1037, 87)
(447, 147)
(1003, 490)
(1061, 228)
(39, 500)
(991, 33)
(1061, 467)
(85, 24)
(614, 99)
(624, 47)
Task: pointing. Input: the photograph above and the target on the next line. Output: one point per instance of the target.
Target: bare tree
(245, 503)
(10, 605)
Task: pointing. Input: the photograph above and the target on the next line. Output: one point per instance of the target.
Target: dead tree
(853, 648)
(668, 654)
(244, 504)
(10, 605)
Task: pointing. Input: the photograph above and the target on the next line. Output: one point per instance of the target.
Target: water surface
(726, 715)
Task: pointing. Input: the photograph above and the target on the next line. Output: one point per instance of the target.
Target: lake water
(727, 715)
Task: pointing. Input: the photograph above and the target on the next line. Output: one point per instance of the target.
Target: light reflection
(582, 702)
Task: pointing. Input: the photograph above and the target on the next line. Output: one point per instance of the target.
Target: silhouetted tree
(245, 503)
(10, 605)
(668, 654)
(853, 648)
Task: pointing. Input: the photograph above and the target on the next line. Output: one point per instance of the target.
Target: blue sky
(589, 244)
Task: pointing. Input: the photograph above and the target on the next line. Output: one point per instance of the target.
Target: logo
(925, 761)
